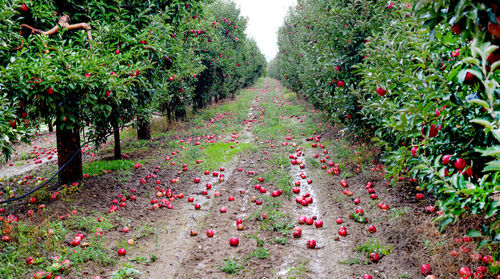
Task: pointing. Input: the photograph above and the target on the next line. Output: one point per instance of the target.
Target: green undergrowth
(218, 154)
(277, 221)
(43, 241)
(99, 167)
(301, 270)
(279, 177)
(88, 223)
(374, 245)
(231, 266)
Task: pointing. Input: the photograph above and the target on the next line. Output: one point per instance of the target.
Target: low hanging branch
(63, 22)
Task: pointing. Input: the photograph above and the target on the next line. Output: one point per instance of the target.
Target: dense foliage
(419, 79)
(102, 64)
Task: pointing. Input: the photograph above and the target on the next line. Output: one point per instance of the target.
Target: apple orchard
(367, 148)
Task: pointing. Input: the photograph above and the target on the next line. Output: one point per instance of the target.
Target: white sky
(264, 19)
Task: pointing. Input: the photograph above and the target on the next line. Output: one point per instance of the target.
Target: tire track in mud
(174, 246)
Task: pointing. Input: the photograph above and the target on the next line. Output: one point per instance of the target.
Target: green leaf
(480, 102)
(483, 122)
(471, 60)
(474, 233)
(482, 243)
(445, 223)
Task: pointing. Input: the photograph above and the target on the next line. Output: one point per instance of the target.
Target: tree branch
(63, 22)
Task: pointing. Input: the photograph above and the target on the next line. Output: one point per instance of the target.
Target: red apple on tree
(23, 7)
(381, 91)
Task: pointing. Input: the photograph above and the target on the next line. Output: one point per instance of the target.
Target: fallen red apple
(233, 241)
(372, 229)
(374, 257)
(465, 271)
(342, 231)
(426, 269)
(122, 252)
(210, 233)
(311, 244)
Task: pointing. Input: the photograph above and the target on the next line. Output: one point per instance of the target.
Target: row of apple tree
(103, 64)
(420, 79)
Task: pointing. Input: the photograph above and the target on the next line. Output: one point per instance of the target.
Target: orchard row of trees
(418, 78)
(103, 64)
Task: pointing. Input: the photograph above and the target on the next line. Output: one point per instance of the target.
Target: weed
(399, 212)
(311, 162)
(260, 253)
(260, 242)
(299, 271)
(95, 253)
(145, 230)
(356, 260)
(281, 240)
(231, 266)
(152, 258)
(374, 245)
(126, 272)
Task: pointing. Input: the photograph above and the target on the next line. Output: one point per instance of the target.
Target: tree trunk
(118, 146)
(51, 127)
(68, 142)
(144, 130)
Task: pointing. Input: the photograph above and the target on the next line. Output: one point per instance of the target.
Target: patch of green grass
(355, 260)
(281, 240)
(88, 223)
(312, 162)
(34, 240)
(97, 167)
(374, 245)
(95, 253)
(280, 177)
(301, 270)
(145, 230)
(220, 153)
(260, 242)
(144, 260)
(126, 272)
(294, 110)
(260, 253)
(398, 212)
(231, 266)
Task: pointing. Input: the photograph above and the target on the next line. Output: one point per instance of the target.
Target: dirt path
(267, 248)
